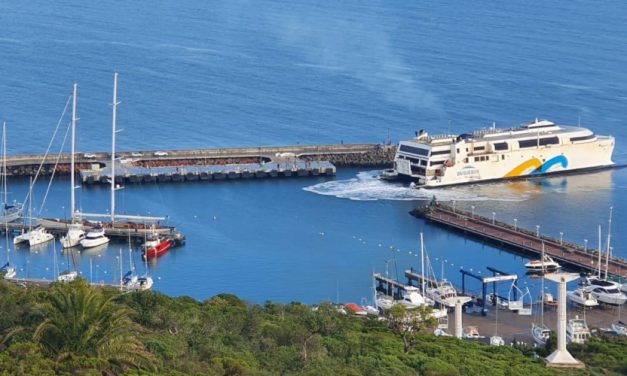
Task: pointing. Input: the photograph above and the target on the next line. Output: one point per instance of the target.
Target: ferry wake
(538, 148)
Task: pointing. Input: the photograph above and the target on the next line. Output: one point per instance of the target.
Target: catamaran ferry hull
(533, 150)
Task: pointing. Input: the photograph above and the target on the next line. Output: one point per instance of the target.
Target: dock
(126, 173)
(121, 230)
(519, 239)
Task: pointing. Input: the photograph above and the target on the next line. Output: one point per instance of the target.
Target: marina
(520, 239)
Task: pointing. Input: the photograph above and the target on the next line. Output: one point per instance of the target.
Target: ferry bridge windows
(478, 148)
(539, 142)
(582, 138)
(415, 170)
(481, 159)
(500, 146)
(414, 150)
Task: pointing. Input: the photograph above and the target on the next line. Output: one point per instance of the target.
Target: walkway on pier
(520, 239)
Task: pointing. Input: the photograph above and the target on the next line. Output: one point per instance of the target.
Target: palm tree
(82, 322)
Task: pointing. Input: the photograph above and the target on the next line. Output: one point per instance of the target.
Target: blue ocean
(205, 74)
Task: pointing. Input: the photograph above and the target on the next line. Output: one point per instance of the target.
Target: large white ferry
(540, 147)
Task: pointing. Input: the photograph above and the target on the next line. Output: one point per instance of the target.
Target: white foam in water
(368, 187)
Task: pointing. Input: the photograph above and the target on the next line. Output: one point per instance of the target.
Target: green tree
(408, 324)
(81, 322)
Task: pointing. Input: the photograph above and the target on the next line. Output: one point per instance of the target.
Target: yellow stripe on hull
(533, 163)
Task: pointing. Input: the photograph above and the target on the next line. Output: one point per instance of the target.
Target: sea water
(242, 73)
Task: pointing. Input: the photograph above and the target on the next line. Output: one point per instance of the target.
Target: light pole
(472, 211)
(453, 206)
(538, 231)
(585, 245)
(561, 238)
(493, 215)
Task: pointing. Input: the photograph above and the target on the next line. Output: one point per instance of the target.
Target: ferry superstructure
(537, 148)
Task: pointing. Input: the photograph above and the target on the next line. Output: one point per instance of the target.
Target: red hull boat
(158, 250)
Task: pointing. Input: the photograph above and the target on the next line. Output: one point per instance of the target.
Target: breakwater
(341, 155)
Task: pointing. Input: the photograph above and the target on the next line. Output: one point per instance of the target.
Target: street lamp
(585, 245)
(538, 231)
(515, 224)
(453, 206)
(561, 238)
(493, 215)
(472, 211)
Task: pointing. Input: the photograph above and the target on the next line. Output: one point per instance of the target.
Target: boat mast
(113, 132)
(422, 264)
(120, 258)
(4, 185)
(542, 291)
(609, 236)
(600, 252)
(72, 197)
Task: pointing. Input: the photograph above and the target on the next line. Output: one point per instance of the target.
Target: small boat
(582, 297)
(497, 341)
(129, 281)
(21, 238)
(67, 276)
(39, 235)
(94, 238)
(145, 282)
(540, 334)
(546, 264)
(620, 328)
(8, 270)
(355, 309)
(577, 331)
(156, 246)
(443, 294)
(441, 333)
(74, 235)
(472, 332)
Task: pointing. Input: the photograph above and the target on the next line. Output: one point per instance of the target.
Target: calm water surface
(208, 74)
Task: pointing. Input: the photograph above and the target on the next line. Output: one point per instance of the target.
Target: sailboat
(620, 328)
(541, 333)
(496, 340)
(66, 275)
(10, 212)
(33, 236)
(8, 270)
(75, 232)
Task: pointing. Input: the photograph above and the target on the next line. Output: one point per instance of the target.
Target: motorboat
(156, 246)
(411, 298)
(540, 334)
(607, 295)
(67, 276)
(546, 264)
(8, 270)
(355, 309)
(620, 328)
(145, 283)
(39, 235)
(94, 238)
(443, 294)
(497, 341)
(74, 235)
(582, 297)
(577, 331)
(472, 332)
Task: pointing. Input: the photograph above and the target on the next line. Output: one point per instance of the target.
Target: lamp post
(538, 231)
(561, 238)
(515, 224)
(453, 206)
(493, 215)
(472, 211)
(585, 245)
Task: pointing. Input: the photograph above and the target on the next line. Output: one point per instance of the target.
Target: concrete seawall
(342, 155)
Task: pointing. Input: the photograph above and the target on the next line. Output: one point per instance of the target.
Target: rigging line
(49, 146)
(56, 163)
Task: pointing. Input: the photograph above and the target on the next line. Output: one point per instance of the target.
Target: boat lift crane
(497, 276)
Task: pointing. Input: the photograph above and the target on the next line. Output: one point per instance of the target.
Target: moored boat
(582, 297)
(577, 331)
(546, 264)
(156, 246)
(94, 238)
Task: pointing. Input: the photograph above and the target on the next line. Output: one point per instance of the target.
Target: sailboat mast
(72, 183)
(422, 264)
(609, 237)
(542, 291)
(113, 131)
(4, 185)
(600, 252)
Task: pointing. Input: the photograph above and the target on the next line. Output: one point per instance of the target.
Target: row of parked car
(134, 154)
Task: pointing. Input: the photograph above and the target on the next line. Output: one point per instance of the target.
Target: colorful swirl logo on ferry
(535, 166)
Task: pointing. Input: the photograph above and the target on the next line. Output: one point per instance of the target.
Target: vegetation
(75, 329)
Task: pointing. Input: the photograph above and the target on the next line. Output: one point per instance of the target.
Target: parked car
(137, 154)
(89, 155)
(160, 153)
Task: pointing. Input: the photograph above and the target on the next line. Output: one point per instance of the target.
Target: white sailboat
(67, 275)
(8, 270)
(541, 333)
(619, 327)
(10, 212)
(75, 232)
(496, 340)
